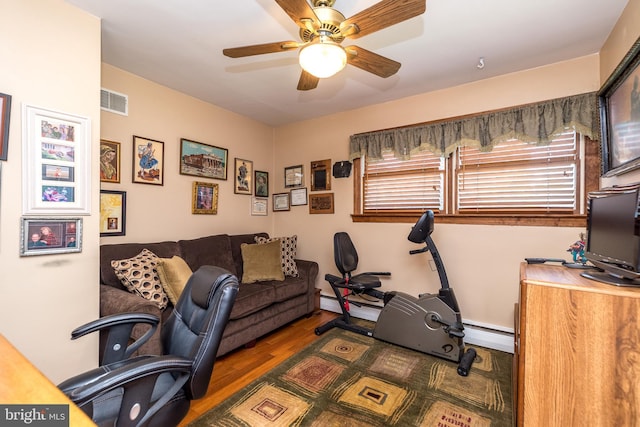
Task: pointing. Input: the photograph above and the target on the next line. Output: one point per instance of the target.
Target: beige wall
(481, 261)
(51, 59)
(164, 212)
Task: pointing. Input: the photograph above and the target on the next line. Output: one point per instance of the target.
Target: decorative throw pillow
(174, 273)
(138, 274)
(288, 248)
(261, 262)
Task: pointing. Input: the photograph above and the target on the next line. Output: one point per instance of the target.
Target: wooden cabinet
(577, 350)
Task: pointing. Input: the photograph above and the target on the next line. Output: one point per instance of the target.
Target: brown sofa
(259, 307)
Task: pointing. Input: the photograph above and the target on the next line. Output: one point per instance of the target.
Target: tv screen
(613, 241)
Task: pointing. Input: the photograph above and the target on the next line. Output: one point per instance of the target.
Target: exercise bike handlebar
(419, 251)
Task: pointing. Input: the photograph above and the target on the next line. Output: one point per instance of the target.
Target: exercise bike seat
(346, 259)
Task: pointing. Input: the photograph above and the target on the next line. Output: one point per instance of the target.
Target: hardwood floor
(238, 368)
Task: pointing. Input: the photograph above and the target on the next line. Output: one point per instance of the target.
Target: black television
(613, 236)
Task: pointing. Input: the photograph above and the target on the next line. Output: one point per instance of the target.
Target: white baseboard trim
(475, 333)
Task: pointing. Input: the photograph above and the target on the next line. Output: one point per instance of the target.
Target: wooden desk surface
(23, 383)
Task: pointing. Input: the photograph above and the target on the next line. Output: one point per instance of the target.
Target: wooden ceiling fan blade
(307, 81)
(259, 49)
(381, 15)
(301, 12)
(371, 62)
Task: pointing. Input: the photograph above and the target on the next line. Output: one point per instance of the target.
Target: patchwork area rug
(350, 380)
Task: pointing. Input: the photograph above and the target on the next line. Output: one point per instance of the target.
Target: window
(512, 184)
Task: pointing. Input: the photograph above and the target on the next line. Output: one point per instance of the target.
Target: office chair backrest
(344, 253)
(195, 327)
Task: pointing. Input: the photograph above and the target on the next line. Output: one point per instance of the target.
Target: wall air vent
(114, 102)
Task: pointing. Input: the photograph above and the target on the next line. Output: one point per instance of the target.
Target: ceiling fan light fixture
(323, 59)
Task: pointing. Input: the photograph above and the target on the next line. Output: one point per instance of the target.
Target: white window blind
(516, 176)
(404, 185)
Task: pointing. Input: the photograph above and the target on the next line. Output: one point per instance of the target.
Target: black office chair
(157, 390)
(346, 259)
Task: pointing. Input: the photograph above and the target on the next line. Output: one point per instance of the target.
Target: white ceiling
(178, 43)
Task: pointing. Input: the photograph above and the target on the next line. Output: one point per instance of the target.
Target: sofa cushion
(210, 250)
(251, 298)
(138, 274)
(174, 273)
(261, 262)
(236, 241)
(288, 249)
(108, 253)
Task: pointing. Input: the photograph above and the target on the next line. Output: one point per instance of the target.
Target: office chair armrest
(119, 328)
(137, 380)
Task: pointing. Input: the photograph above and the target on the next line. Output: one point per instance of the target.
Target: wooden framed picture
(259, 206)
(56, 172)
(321, 203)
(321, 175)
(109, 161)
(148, 161)
(293, 176)
(298, 196)
(205, 198)
(619, 100)
(45, 236)
(204, 160)
(281, 202)
(243, 176)
(261, 180)
(113, 213)
(5, 115)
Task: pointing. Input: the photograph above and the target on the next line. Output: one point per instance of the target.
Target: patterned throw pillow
(288, 248)
(138, 274)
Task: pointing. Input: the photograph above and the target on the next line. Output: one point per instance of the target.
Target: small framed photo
(259, 206)
(243, 176)
(299, 196)
(321, 203)
(5, 115)
(205, 198)
(280, 202)
(148, 161)
(45, 236)
(261, 180)
(204, 160)
(56, 172)
(109, 161)
(293, 176)
(113, 213)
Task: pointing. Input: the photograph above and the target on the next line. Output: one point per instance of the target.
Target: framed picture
(207, 161)
(293, 176)
(320, 175)
(259, 205)
(109, 161)
(113, 213)
(44, 236)
(205, 198)
(321, 203)
(619, 100)
(261, 180)
(243, 176)
(299, 196)
(5, 115)
(280, 202)
(148, 161)
(56, 165)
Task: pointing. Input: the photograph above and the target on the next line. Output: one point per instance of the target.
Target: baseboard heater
(476, 333)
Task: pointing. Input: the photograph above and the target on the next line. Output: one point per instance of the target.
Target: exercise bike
(430, 323)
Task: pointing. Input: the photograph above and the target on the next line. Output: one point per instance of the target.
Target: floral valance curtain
(535, 123)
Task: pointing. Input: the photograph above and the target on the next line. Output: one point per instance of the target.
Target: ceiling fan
(322, 30)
